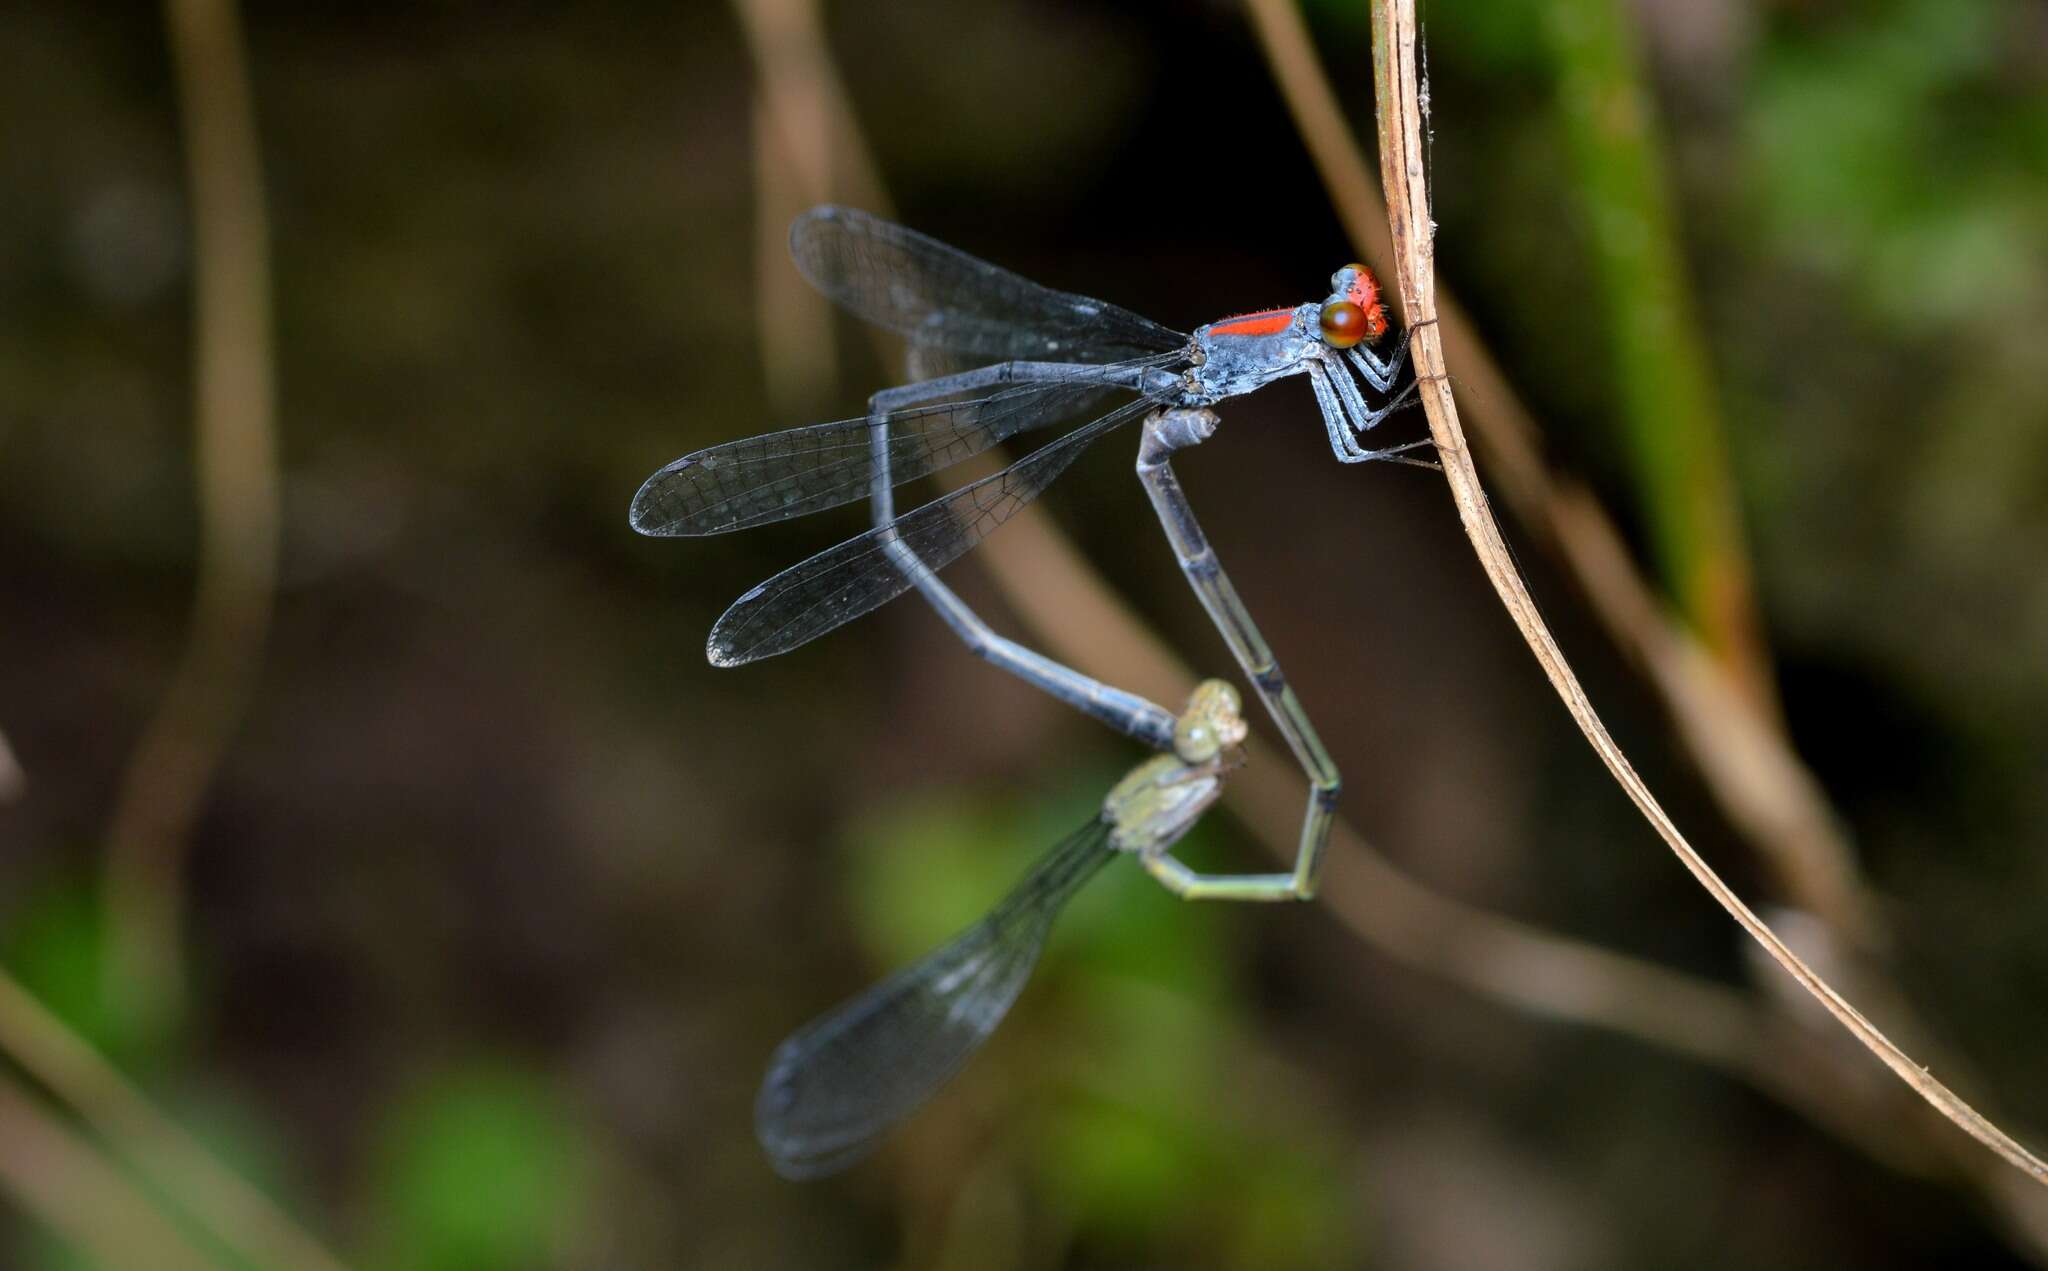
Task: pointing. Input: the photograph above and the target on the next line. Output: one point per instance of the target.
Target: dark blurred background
(500, 895)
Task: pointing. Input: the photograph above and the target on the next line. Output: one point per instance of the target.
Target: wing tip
(721, 652)
(778, 1115)
(650, 512)
(830, 212)
(821, 214)
(723, 649)
(645, 516)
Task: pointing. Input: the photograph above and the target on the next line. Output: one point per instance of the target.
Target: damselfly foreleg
(1165, 432)
(1380, 372)
(1346, 417)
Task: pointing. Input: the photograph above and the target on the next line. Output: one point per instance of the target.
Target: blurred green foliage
(56, 948)
(1884, 150)
(479, 1170)
(1669, 421)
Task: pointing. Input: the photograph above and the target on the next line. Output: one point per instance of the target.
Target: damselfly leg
(1165, 432)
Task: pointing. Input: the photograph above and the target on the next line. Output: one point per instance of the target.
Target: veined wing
(785, 474)
(940, 297)
(842, 583)
(854, 1072)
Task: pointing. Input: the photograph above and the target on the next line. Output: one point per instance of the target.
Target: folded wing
(842, 583)
(945, 301)
(785, 474)
(857, 1070)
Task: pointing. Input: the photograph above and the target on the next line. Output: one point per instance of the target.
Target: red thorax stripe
(1264, 322)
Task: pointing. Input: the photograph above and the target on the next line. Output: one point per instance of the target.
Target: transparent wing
(940, 298)
(842, 583)
(786, 474)
(854, 1072)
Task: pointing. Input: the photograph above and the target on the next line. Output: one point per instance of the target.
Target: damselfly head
(1353, 313)
(1212, 724)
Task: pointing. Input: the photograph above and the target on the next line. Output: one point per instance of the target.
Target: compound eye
(1344, 324)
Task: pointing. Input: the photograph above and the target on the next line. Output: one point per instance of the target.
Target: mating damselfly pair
(996, 355)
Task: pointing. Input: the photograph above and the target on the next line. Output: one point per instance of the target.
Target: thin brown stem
(236, 457)
(795, 334)
(65, 1065)
(1741, 750)
(1403, 175)
(13, 781)
(806, 100)
(54, 1174)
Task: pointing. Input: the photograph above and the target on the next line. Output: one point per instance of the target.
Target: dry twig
(1738, 745)
(802, 119)
(55, 1175)
(1405, 181)
(184, 1170)
(12, 780)
(236, 456)
(175, 761)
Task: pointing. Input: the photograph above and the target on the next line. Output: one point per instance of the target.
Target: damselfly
(998, 355)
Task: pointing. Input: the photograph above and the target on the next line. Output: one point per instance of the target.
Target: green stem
(1670, 418)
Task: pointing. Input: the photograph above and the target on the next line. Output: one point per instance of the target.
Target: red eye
(1345, 324)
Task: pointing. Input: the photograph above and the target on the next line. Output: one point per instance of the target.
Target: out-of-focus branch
(795, 334)
(1403, 173)
(235, 452)
(1762, 785)
(807, 150)
(1671, 423)
(55, 1175)
(66, 1066)
(12, 779)
(807, 101)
